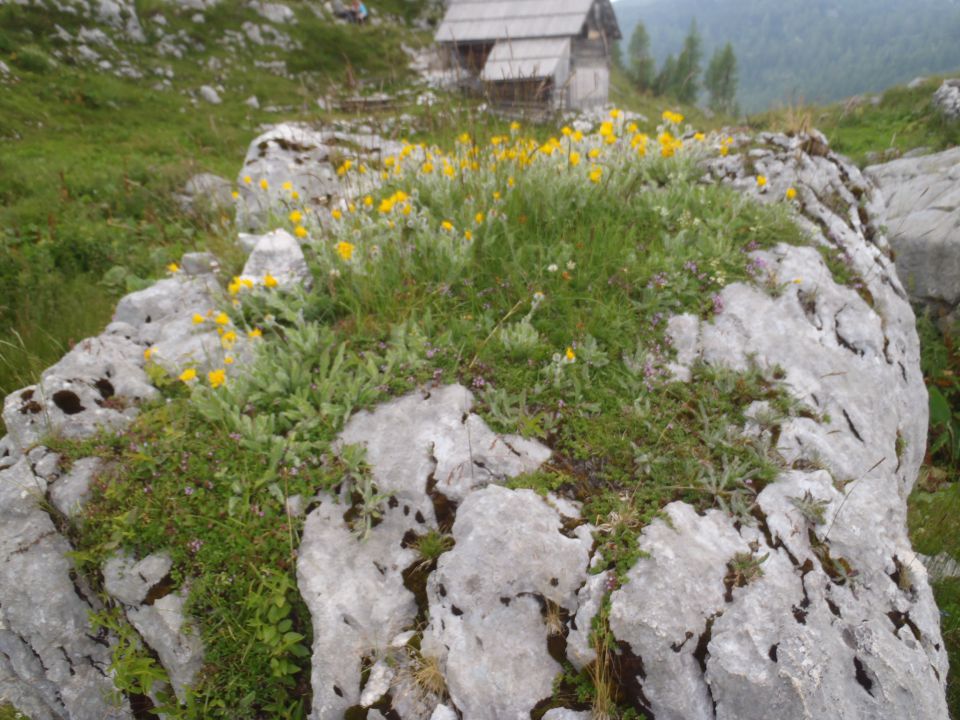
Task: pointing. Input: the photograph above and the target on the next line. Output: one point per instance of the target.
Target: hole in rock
(68, 402)
(31, 408)
(862, 677)
(457, 612)
(773, 652)
(160, 590)
(105, 388)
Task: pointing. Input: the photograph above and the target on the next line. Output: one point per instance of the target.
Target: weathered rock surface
(69, 492)
(88, 389)
(206, 192)
(923, 210)
(277, 254)
(786, 614)
(947, 99)
(53, 666)
(490, 597)
(301, 155)
(419, 449)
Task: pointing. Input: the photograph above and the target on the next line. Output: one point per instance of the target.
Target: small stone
(130, 581)
(210, 95)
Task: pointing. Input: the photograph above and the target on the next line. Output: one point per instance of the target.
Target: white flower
(571, 265)
(552, 268)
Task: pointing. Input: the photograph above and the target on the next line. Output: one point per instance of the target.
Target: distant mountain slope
(817, 50)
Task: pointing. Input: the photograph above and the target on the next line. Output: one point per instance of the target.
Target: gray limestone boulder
(95, 385)
(947, 99)
(303, 156)
(811, 607)
(70, 492)
(419, 450)
(206, 192)
(490, 599)
(53, 663)
(277, 254)
(210, 95)
(923, 210)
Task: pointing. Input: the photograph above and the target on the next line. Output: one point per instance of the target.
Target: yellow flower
(574, 158)
(761, 181)
(514, 126)
(336, 214)
(234, 287)
(255, 333)
(197, 318)
(345, 250)
(300, 231)
(228, 360)
(269, 281)
(447, 226)
(570, 355)
(345, 168)
(496, 195)
(577, 136)
(465, 138)
(616, 114)
(351, 208)
(148, 353)
(567, 132)
(449, 171)
(222, 319)
(699, 137)
(173, 268)
(478, 218)
(593, 154)
(228, 339)
(188, 375)
(797, 281)
(247, 179)
(791, 193)
(288, 186)
(596, 174)
(295, 195)
(606, 129)
(632, 127)
(217, 377)
(235, 195)
(296, 217)
(468, 235)
(672, 117)
(368, 201)
(264, 185)
(724, 150)
(427, 168)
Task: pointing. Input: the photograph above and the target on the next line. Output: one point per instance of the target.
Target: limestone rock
(207, 192)
(52, 663)
(70, 492)
(129, 581)
(164, 628)
(923, 201)
(199, 263)
(947, 99)
(88, 389)
(818, 612)
(210, 95)
(564, 714)
(274, 12)
(489, 596)
(278, 254)
(418, 450)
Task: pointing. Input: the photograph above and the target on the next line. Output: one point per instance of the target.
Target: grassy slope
(903, 119)
(89, 163)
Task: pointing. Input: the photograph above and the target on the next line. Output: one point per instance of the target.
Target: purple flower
(194, 545)
(188, 490)
(479, 382)
(717, 304)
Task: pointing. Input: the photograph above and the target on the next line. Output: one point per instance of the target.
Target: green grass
(573, 355)
(903, 120)
(89, 162)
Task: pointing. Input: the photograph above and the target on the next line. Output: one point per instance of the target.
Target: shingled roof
(470, 21)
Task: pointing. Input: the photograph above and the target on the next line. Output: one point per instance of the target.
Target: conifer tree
(721, 81)
(642, 66)
(686, 83)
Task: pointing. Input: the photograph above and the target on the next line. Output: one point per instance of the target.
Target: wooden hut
(553, 54)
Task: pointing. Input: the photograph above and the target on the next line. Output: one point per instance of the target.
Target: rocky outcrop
(294, 165)
(428, 452)
(53, 664)
(923, 219)
(947, 99)
(792, 612)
